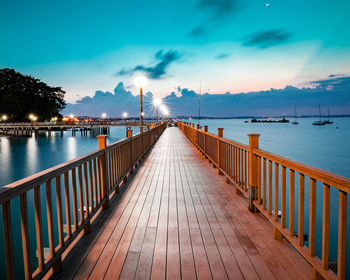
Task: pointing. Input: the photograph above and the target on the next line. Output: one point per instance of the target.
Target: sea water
(326, 147)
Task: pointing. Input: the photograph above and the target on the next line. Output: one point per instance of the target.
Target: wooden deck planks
(178, 219)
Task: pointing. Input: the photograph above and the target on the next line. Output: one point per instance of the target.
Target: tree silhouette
(21, 95)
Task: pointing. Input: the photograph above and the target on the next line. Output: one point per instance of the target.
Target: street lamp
(71, 116)
(104, 115)
(141, 81)
(4, 117)
(157, 102)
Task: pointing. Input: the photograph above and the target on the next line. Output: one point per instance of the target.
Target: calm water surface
(324, 147)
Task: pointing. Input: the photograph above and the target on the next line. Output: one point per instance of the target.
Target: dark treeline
(22, 95)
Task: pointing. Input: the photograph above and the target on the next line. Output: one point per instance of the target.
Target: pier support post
(220, 134)
(252, 171)
(103, 169)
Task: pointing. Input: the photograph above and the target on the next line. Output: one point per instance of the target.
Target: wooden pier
(145, 208)
(94, 128)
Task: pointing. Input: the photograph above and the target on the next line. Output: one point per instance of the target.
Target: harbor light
(32, 117)
(104, 115)
(4, 117)
(125, 115)
(140, 81)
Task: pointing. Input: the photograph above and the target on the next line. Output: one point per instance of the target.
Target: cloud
(267, 38)
(157, 71)
(222, 56)
(333, 93)
(219, 10)
(218, 7)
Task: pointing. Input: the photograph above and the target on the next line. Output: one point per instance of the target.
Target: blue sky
(228, 45)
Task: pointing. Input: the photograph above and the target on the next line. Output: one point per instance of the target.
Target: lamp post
(141, 81)
(156, 103)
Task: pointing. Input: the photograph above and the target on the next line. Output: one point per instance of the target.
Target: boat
(328, 121)
(319, 122)
(295, 116)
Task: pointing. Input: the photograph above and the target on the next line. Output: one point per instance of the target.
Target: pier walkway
(177, 218)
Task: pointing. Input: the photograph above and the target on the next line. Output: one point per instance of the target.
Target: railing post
(220, 134)
(103, 169)
(252, 170)
(205, 140)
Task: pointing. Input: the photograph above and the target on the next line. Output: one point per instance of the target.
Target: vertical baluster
(283, 198)
(270, 188)
(245, 170)
(312, 225)
(87, 203)
(233, 163)
(291, 201)
(325, 226)
(275, 210)
(67, 202)
(95, 181)
(50, 219)
(86, 190)
(75, 208)
(342, 235)
(6, 215)
(91, 182)
(231, 159)
(110, 176)
(115, 166)
(38, 228)
(59, 211)
(259, 180)
(25, 236)
(264, 183)
(81, 202)
(241, 168)
(301, 210)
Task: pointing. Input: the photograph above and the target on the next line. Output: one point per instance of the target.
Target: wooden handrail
(268, 194)
(86, 183)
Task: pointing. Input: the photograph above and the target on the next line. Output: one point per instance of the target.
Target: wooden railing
(68, 196)
(278, 187)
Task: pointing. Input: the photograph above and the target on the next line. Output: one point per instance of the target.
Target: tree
(21, 95)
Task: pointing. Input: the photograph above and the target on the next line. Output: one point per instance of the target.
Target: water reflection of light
(5, 160)
(72, 148)
(32, 159)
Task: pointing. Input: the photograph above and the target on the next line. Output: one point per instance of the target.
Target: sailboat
(328, 121)
(295, 115)
(319, 122)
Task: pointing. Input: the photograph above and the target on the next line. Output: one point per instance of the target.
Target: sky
(225, 46)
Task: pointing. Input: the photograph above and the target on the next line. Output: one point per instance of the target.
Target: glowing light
(140, 81)
(164, 110)
(267, 4)
(104, 115)
(125, 115)
(4, 117)
(142, 114)
(71, 116)
(157, 102)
